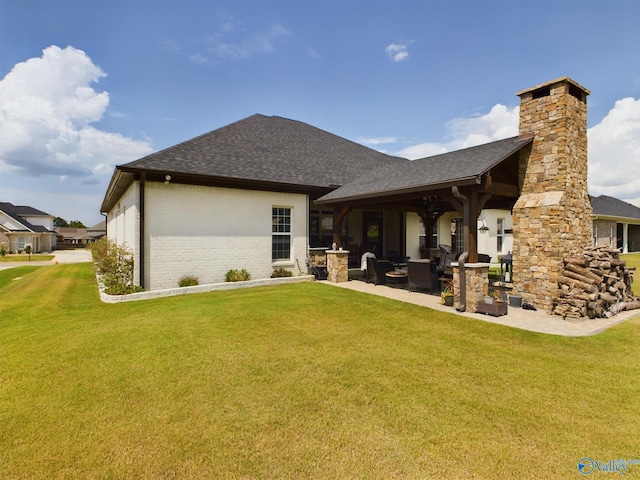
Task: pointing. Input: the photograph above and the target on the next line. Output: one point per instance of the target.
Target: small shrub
(188, 281)
(3, 251)
(119, 289)
(281, 272)
(115, 265)
(237, 276)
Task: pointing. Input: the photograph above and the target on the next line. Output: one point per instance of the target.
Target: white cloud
(501, 122)
(398, 51)
(377, 140)
(614, 153)
(219, 47)
(47, 106)
(614, 145)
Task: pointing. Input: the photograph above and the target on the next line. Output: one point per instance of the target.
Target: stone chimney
(552, 217)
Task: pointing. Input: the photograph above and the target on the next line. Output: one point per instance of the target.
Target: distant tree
(76, 224)
(60, 222)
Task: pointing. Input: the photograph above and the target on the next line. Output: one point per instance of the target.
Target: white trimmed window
(611, 236)
(500, 234)
(21, 243)
(280, 234)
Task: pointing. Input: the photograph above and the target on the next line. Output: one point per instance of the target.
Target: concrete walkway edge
(534, 321)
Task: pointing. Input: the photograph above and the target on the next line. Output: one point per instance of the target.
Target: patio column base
(338, 266)
(477, 276)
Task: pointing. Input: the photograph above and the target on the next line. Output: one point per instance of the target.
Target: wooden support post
(339, 214)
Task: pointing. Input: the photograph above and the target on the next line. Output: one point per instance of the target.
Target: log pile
(596, 284)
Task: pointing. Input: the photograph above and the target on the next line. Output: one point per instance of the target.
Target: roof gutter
(616, 218)
(143, 179)
(462, 274)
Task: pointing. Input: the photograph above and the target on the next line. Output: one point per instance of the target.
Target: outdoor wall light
(167, 179)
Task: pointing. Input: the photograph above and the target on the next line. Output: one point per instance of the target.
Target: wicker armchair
(376, 271)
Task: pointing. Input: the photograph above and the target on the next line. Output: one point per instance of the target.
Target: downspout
(143, 178)
(466, 214)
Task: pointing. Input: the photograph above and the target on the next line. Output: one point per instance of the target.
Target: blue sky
(86, 85)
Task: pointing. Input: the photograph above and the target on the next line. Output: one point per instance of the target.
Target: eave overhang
(124, 176)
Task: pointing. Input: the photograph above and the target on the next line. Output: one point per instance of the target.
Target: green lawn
(633, 260)
(24, 257)
(297, 381)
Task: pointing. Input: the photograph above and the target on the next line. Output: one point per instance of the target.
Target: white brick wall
(122, 222)
(206, 231)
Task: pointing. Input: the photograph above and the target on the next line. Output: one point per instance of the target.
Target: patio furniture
(397, 278)
(444, 267)
(394, 257)
(496, 309)
(376, 271)
(422, 275)
(484, 258)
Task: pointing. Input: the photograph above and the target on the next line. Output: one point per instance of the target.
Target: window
(595, 235)
(457, 235)
(21, 243)
(500, 234)
(280, 234)
(611, 236)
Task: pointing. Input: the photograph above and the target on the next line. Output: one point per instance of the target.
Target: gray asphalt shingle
(429, 172)
(269, 149)
(612, 207)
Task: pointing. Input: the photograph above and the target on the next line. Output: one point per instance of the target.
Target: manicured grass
(298, 381)
(633, 260)
(24, 257)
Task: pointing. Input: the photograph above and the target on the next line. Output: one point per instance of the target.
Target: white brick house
(243, 196)
(238, 197)
(257, 193)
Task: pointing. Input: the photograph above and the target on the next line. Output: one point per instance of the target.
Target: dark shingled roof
(268, 149)
(612, 207)
(455, 168)
(286, 155)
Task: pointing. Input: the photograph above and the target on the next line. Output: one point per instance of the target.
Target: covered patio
(465, 181)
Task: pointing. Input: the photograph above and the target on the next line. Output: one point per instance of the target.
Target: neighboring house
(257, 193)
(22, 226)
(81, 236)
(616, 223)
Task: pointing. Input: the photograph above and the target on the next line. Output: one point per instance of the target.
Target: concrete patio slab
(534, 321)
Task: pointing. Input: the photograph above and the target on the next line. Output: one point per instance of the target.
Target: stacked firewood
(596, 284)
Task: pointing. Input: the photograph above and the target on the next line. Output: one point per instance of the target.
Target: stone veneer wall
(318, 256)
(552, 217)
(338, 266)
(477, 278)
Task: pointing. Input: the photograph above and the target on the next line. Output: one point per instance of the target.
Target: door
(372, 233)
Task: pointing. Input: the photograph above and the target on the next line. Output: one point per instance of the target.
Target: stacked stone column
(477, 286)
(338, 266)
(552, 218)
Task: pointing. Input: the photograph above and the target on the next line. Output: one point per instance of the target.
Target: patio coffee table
(396, 278)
